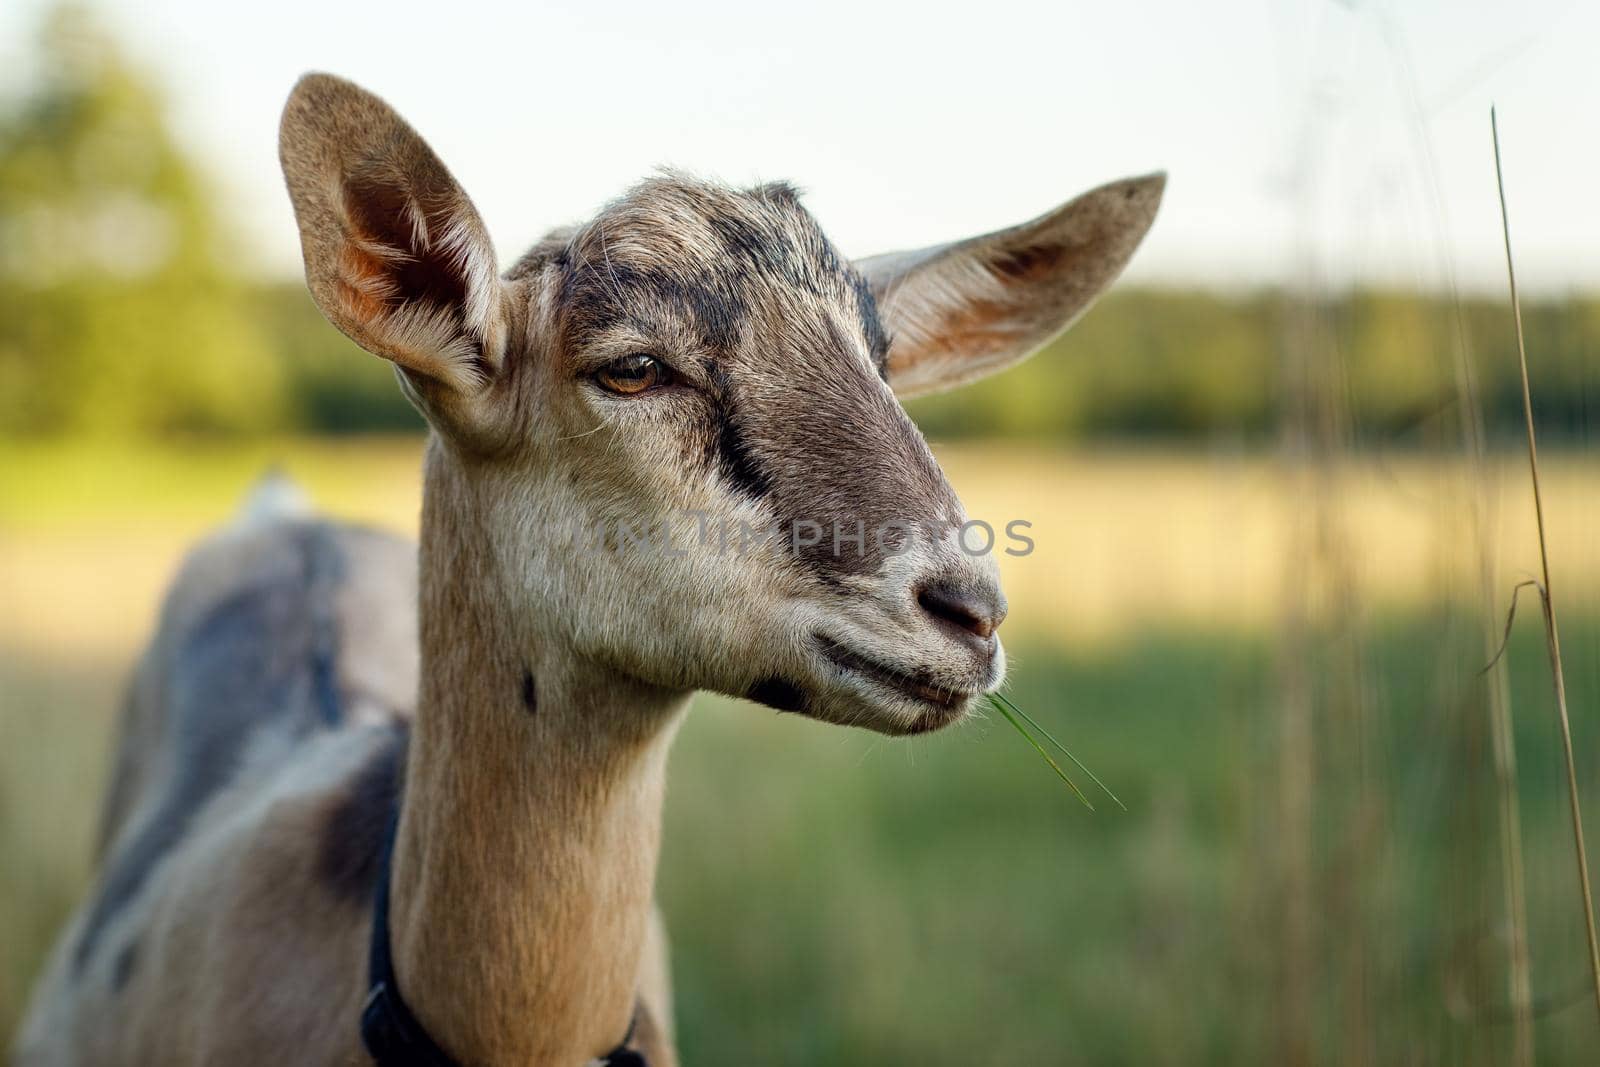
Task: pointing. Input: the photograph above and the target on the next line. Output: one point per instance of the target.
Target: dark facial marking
(735, 462)
(780, 694)
(598, 296)
(743, 240)
(753, 246)
(263, 657)
(530, 693)
(351, 840)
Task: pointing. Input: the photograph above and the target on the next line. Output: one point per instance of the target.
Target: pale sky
(1304, 140)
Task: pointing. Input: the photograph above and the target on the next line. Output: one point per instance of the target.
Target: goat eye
(632, 374)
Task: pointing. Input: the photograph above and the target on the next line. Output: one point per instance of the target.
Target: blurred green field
(839, 898)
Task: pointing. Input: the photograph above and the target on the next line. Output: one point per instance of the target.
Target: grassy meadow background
(1277, 533)
(840, 898)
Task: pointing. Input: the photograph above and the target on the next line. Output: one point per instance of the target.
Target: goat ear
(959, 311)
(395, 253)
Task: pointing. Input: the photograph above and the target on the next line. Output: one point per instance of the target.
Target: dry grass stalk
(1519, 970)
(1520, 976)
(1551, 630)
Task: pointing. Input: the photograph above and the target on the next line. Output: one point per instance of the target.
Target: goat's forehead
(682, 224)
(719, 247)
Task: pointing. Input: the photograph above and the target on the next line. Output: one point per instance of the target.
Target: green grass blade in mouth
(1017, 725)
(1048, 736)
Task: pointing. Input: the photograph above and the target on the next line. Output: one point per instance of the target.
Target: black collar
(392, 1035)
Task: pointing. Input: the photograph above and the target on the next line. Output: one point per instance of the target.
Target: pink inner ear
(384, 212)
(963, 310)
(405, 283)
(364, 288)
(1034, 291)
(976, 327)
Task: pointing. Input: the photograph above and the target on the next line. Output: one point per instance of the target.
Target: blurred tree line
(123, 313)
(1172, 364)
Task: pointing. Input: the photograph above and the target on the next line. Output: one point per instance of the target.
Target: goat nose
(977, 610)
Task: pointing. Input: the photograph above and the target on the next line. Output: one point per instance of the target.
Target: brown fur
(260, 756)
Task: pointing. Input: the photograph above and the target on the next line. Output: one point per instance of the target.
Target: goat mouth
(946, 703)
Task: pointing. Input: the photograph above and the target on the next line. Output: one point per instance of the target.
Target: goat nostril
(977, 614)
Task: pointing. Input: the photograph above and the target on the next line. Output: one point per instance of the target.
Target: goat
(475, 733)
